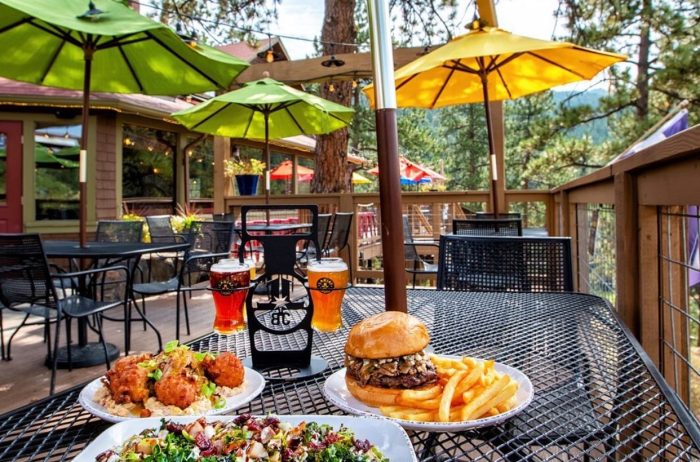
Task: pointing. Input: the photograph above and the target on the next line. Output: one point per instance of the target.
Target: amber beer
(225, 277)
(327, 281)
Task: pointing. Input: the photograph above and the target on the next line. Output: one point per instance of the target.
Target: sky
(303, 18)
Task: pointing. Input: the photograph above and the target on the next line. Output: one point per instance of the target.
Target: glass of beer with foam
(229, 281)
(328, 279)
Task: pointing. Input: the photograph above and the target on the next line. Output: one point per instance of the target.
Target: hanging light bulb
(354, 83)
(268, 55)
(331, 87)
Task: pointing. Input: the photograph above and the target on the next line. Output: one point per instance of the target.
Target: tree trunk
(332, 173)
(643, 66)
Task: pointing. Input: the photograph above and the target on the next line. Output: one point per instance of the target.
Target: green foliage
(233, 167)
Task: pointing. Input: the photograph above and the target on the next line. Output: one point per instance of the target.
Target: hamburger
(384, 355)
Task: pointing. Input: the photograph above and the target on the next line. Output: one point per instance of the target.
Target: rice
(157, 409)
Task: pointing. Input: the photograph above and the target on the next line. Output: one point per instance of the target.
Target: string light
(269, 56)
(331, 87)
(248, 30)
(354, 83)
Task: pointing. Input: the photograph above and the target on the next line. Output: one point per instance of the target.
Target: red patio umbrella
(285, 170)
(413, 171)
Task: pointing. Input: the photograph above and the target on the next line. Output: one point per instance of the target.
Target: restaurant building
(139, 158)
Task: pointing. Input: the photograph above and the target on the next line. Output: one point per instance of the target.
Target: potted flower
(247, 172)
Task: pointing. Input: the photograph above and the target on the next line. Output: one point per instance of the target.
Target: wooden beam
(357, 66)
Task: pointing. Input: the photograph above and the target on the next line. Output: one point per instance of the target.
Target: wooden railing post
(222, 151)
(627, 250)
(649, 281)
(347, 205)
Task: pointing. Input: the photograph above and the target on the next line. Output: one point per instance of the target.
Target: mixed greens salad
(244, 439)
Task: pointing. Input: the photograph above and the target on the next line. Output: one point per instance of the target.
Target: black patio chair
(228, 216)
(499, 264)
(488, 227)
(415, 263)
(27, 286)
(211, 241)
(160, 228)
(339, 237)
(527, 264)
(118, 231)
(324, 223)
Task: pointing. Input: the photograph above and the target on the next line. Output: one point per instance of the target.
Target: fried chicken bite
(127, 381)
(225, 370)
(177, 388)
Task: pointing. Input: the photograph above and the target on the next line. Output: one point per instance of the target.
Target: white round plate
(391, 439)
(252, 387)
(337, 393)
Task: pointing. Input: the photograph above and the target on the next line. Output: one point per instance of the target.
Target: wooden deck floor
(25, 378)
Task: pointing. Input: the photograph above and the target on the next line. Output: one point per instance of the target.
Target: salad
(244, 439)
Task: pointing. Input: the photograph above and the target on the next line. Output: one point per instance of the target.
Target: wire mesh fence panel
(679, 301)
(595, 241)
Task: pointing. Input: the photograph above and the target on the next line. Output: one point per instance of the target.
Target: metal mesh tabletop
(595, 396)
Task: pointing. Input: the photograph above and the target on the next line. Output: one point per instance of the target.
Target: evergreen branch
(604, 115)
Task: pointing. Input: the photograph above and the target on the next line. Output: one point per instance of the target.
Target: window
(56, 162)
(201, 159)
(148, 163)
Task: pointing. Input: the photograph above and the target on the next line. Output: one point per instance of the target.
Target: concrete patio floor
(25, 379)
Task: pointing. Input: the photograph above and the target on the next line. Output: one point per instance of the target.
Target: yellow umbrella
(461, 71)
(359, 179)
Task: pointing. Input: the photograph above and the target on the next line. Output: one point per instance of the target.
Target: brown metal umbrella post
(388, 157)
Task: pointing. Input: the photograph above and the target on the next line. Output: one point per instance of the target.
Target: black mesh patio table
(597, 396)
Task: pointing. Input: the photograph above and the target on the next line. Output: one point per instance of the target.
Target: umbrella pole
(88, 52)
(492, 153)
(267, 164)
(388, 157)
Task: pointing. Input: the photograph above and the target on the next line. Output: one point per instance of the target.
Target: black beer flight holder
(274, 316)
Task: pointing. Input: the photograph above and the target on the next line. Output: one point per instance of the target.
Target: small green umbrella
(266, 109)
(103, 46)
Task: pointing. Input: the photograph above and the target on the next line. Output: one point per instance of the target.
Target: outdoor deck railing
(634, 224)
(430, 214)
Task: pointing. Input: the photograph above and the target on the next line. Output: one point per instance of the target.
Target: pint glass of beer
(229, 281)
(328, 279)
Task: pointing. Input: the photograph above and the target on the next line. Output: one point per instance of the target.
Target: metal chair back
(324, 225)
(160, 228)
(227, 217)
(488, 227)
(410, 252)
(24, 272)
(212, 236)
(119, 231)
(497, 264)
(340, 232)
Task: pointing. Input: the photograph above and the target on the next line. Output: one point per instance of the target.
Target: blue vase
(247, 184)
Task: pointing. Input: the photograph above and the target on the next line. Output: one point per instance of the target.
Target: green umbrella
(266, 109)
(103, 46)
(47, 159)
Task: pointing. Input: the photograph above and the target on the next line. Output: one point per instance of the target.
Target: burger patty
(408, 371)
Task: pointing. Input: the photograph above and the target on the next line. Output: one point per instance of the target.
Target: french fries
(467, 389)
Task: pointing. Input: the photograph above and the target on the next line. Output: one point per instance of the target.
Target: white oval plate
(337, 393)
(252, 387)
(391, 439)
